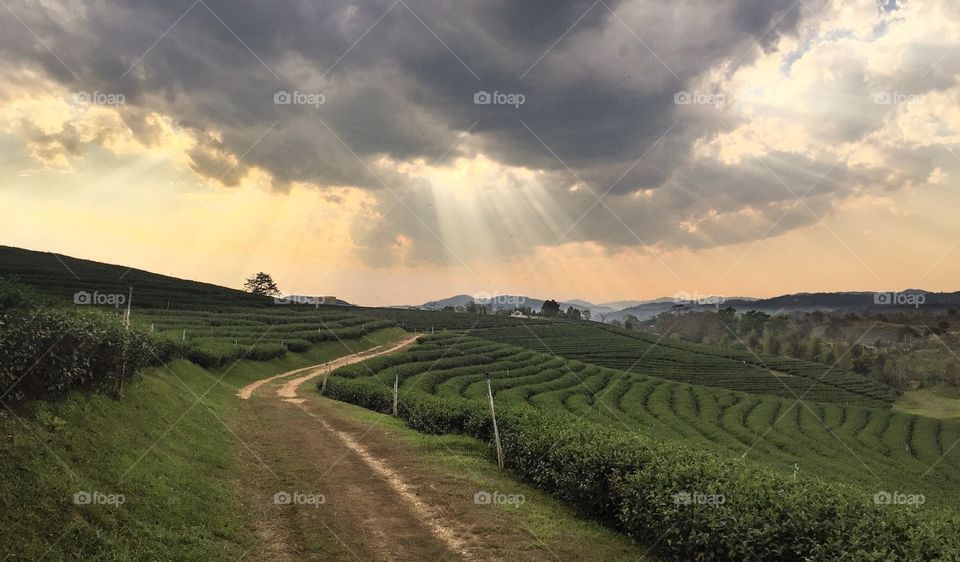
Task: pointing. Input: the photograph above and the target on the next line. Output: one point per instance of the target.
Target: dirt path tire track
(355, 457)
(289, 390)
(246, 392)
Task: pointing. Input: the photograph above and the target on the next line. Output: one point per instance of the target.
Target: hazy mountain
(510, 302)
(801, 302)
(852, 301)
(643, 310)
(620, 305)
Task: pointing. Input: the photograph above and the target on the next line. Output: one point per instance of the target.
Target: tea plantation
(800, 479)
(674, 359)
(870, 446)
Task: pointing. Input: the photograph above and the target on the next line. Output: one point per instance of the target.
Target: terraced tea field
(218, 338)
(871, 447)
(414, 320)
(687, 362)
(244, 327)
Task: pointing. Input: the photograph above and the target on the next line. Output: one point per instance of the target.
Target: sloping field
(296, 327)
(63, 276)
(873, 448)
(692, 363)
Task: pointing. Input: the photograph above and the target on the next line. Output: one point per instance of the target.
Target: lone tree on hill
(261, 284)
(550, 308)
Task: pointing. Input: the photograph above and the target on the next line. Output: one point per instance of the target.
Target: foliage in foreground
(45, 351)
(640, 486)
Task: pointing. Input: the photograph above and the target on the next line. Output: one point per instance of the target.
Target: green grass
(930, 403)
(173, 458)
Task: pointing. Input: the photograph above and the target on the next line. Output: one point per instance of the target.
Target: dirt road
(289, 389)
(378, 515)
(358, 493)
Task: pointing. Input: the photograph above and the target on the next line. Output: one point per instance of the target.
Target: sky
(400, 151)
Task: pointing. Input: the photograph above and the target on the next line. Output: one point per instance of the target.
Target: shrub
(265, 351)
(46, 352)
(297, 345)
(213, 354)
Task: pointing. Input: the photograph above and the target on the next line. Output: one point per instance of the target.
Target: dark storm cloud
(205, 71)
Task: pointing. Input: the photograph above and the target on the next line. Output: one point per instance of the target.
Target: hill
(803, 302)
(511, 302)
(66, 277)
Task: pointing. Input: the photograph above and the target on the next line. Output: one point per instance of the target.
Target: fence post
(129, 303)
(496, 431)
(396, 393)
(323, 387)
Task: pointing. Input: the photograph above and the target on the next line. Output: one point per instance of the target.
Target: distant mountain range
(510, 302)
(645, 309)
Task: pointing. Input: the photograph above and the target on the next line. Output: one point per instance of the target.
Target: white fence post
(129, 302)
(496, 431)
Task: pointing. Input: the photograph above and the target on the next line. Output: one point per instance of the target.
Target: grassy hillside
(210, 325)
(166, 447)
(870, 447)
(616, 414)
(63, 276)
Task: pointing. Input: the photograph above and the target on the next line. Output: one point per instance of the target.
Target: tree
(573, 313)
(261, 284)
(728, 317)
(585, 314)
(550, 308)
(477, 308)
(753, 321)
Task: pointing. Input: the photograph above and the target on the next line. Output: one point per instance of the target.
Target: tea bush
(46, 352)
(634, 483)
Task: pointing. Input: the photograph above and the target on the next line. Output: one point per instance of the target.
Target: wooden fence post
(396, 393)
(496, 431)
